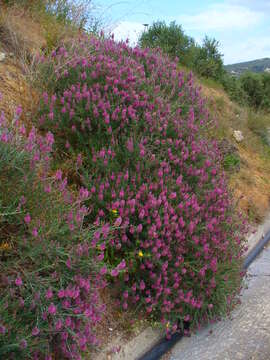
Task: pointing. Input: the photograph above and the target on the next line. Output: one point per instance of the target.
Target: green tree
(171, 39)
(208, 61)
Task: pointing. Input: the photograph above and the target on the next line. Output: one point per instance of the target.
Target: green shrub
(138, 129)
(250, 89)
(266, 91)
(233, 87)
(49, 300)
(252, 85)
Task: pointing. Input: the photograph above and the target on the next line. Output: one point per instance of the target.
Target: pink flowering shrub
(50, 274)
(138, 127)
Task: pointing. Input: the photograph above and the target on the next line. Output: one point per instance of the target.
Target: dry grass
(20, 38)
(251, 184)
(24, 33)
(21, 33)
(15, 89)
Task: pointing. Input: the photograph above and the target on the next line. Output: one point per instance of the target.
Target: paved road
(247, 335)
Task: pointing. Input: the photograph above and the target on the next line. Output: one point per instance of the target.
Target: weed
(231, 162)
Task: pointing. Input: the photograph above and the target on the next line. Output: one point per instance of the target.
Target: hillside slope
(257, 66)
(247, 162)
(249, 178)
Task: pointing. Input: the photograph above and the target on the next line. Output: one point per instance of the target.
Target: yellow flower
(140, 253)
(168, 325)
(5, 246)
(114, 212)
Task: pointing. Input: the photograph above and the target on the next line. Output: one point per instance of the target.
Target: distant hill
(257, 66)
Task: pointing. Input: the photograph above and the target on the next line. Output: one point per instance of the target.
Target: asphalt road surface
(247, 335)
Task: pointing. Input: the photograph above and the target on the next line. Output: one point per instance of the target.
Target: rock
(2, 56)
(237, 134)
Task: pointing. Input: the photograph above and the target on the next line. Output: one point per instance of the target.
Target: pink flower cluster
(54, 302)
(140, 126)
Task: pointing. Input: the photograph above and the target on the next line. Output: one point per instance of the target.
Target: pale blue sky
(241, 26)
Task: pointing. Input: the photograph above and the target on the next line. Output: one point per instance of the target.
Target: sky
(242, 27)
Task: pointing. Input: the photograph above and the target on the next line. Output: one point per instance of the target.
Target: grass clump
(231, 162)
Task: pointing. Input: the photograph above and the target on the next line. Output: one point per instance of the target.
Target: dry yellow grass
(15, 90)
(21, 37)
(20, 31)
(251, 184)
